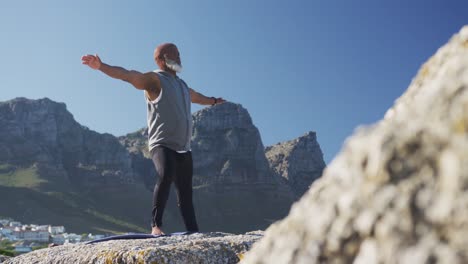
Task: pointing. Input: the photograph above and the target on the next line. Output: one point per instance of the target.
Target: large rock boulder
(398, 191)
(299, 161)
(3, 258)
(207, 248)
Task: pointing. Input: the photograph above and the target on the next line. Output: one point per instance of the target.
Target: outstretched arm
(199, 98)
(141, 81)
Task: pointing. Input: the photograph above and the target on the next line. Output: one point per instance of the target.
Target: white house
(54, 230)
(41, 228)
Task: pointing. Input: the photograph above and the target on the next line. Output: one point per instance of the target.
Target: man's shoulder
(152, 76)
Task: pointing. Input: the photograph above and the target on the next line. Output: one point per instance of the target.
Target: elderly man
(168, 100)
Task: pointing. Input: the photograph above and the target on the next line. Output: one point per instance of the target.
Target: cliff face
(299, 162)
(55, 170)
(398, 191)
(44, 133)
(233, 184)
(228, 149)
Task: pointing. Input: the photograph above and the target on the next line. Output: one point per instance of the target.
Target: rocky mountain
(54, 170)
(229, 163)
(43, 134)
(207, 248)
(299, 162)
(398, 191)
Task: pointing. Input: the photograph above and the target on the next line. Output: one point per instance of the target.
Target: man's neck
(172, 72)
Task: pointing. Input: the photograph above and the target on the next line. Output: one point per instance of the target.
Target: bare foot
(157, 231)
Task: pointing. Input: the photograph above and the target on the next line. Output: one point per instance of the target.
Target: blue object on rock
(136, 236)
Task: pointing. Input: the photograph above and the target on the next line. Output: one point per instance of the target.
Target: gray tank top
(169, 115)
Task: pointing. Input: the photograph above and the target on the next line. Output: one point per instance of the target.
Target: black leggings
(178, 168)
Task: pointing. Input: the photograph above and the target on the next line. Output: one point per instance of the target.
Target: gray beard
(173, 65)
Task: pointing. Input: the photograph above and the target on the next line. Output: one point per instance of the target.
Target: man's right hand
(142, 81)
(93, 61)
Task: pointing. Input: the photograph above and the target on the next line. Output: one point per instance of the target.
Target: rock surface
(3, 258)
(196, 248)
(43, 132)
(398, 191)
(299, 162)
(227, 147)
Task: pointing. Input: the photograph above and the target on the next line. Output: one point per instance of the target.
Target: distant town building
(54, 230)
(72, 238)
(11, 237)
(58, 239)
(29, 235)
(41, 228)
(15, 224)
(7, 230)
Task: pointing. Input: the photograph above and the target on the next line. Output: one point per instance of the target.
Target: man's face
(167, 57)
(172, 53)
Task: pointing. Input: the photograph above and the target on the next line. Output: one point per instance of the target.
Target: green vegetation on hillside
(6, 248)
(115, 221)
(19, 177)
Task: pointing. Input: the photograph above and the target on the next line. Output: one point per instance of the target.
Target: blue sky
(297, 66)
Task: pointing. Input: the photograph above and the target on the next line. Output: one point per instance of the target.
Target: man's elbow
(136, 82)
(139, 86)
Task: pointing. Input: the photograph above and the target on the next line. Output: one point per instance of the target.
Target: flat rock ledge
(195, 248)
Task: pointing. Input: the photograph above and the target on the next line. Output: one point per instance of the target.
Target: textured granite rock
(398, 191)
(227, 147)
(299, 161)
(3, 258)
(196, 248)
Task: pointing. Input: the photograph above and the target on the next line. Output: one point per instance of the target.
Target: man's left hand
(219, 100)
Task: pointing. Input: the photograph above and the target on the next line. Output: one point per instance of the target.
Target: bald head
(166, 53)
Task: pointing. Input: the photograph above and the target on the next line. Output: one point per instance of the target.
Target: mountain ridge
(46, 151)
